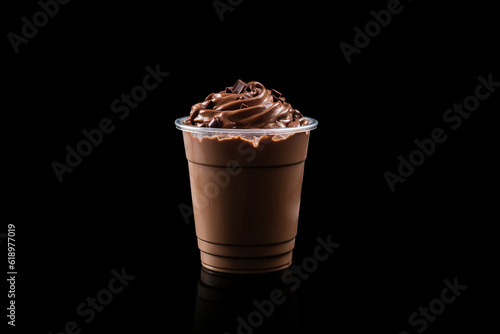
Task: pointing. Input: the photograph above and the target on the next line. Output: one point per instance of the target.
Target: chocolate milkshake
(246, 149)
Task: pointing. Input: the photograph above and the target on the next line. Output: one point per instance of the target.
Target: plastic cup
(246, 186)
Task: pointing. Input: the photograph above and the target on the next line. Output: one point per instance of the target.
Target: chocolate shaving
(277, 96)
(215, 122)
(276, 99)
(229, 89)
(243, 106)
(239, 87)
(208, 104)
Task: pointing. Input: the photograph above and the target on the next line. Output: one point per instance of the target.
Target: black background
(120, 207)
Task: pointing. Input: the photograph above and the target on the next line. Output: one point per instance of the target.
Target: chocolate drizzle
(245, 106)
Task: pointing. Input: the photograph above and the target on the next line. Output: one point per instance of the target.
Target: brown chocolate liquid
(246, 199)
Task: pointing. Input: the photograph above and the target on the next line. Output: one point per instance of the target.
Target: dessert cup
(246, 187)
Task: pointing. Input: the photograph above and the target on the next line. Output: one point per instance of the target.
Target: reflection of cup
(228, 303)
(245, 186)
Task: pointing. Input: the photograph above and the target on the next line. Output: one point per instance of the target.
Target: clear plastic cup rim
(313, 124)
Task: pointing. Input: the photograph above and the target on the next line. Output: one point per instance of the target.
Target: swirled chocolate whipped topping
(245, 106)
